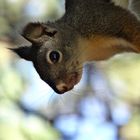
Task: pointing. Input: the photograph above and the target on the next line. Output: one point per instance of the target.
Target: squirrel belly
(103, 47)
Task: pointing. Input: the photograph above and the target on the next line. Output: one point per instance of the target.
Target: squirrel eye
(54, 56)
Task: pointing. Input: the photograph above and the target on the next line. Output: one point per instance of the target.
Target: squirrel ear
(23, 52)
(38, 32)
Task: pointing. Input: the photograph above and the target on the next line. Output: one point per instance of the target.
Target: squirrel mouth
(68, 84)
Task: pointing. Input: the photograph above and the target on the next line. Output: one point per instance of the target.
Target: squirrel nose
(62, 87)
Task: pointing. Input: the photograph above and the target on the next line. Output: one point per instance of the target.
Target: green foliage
(14, 124)
(124, 74)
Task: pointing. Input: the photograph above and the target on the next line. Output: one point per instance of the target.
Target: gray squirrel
(90, 30)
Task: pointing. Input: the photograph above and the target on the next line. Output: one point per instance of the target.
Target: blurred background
(105, 105)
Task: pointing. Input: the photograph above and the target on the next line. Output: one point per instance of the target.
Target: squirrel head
(53, 54)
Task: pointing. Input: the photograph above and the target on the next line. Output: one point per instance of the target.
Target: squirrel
(90, 30)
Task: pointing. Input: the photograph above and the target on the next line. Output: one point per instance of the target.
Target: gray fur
(83, 19)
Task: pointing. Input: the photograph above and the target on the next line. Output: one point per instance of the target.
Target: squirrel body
(89, 30)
